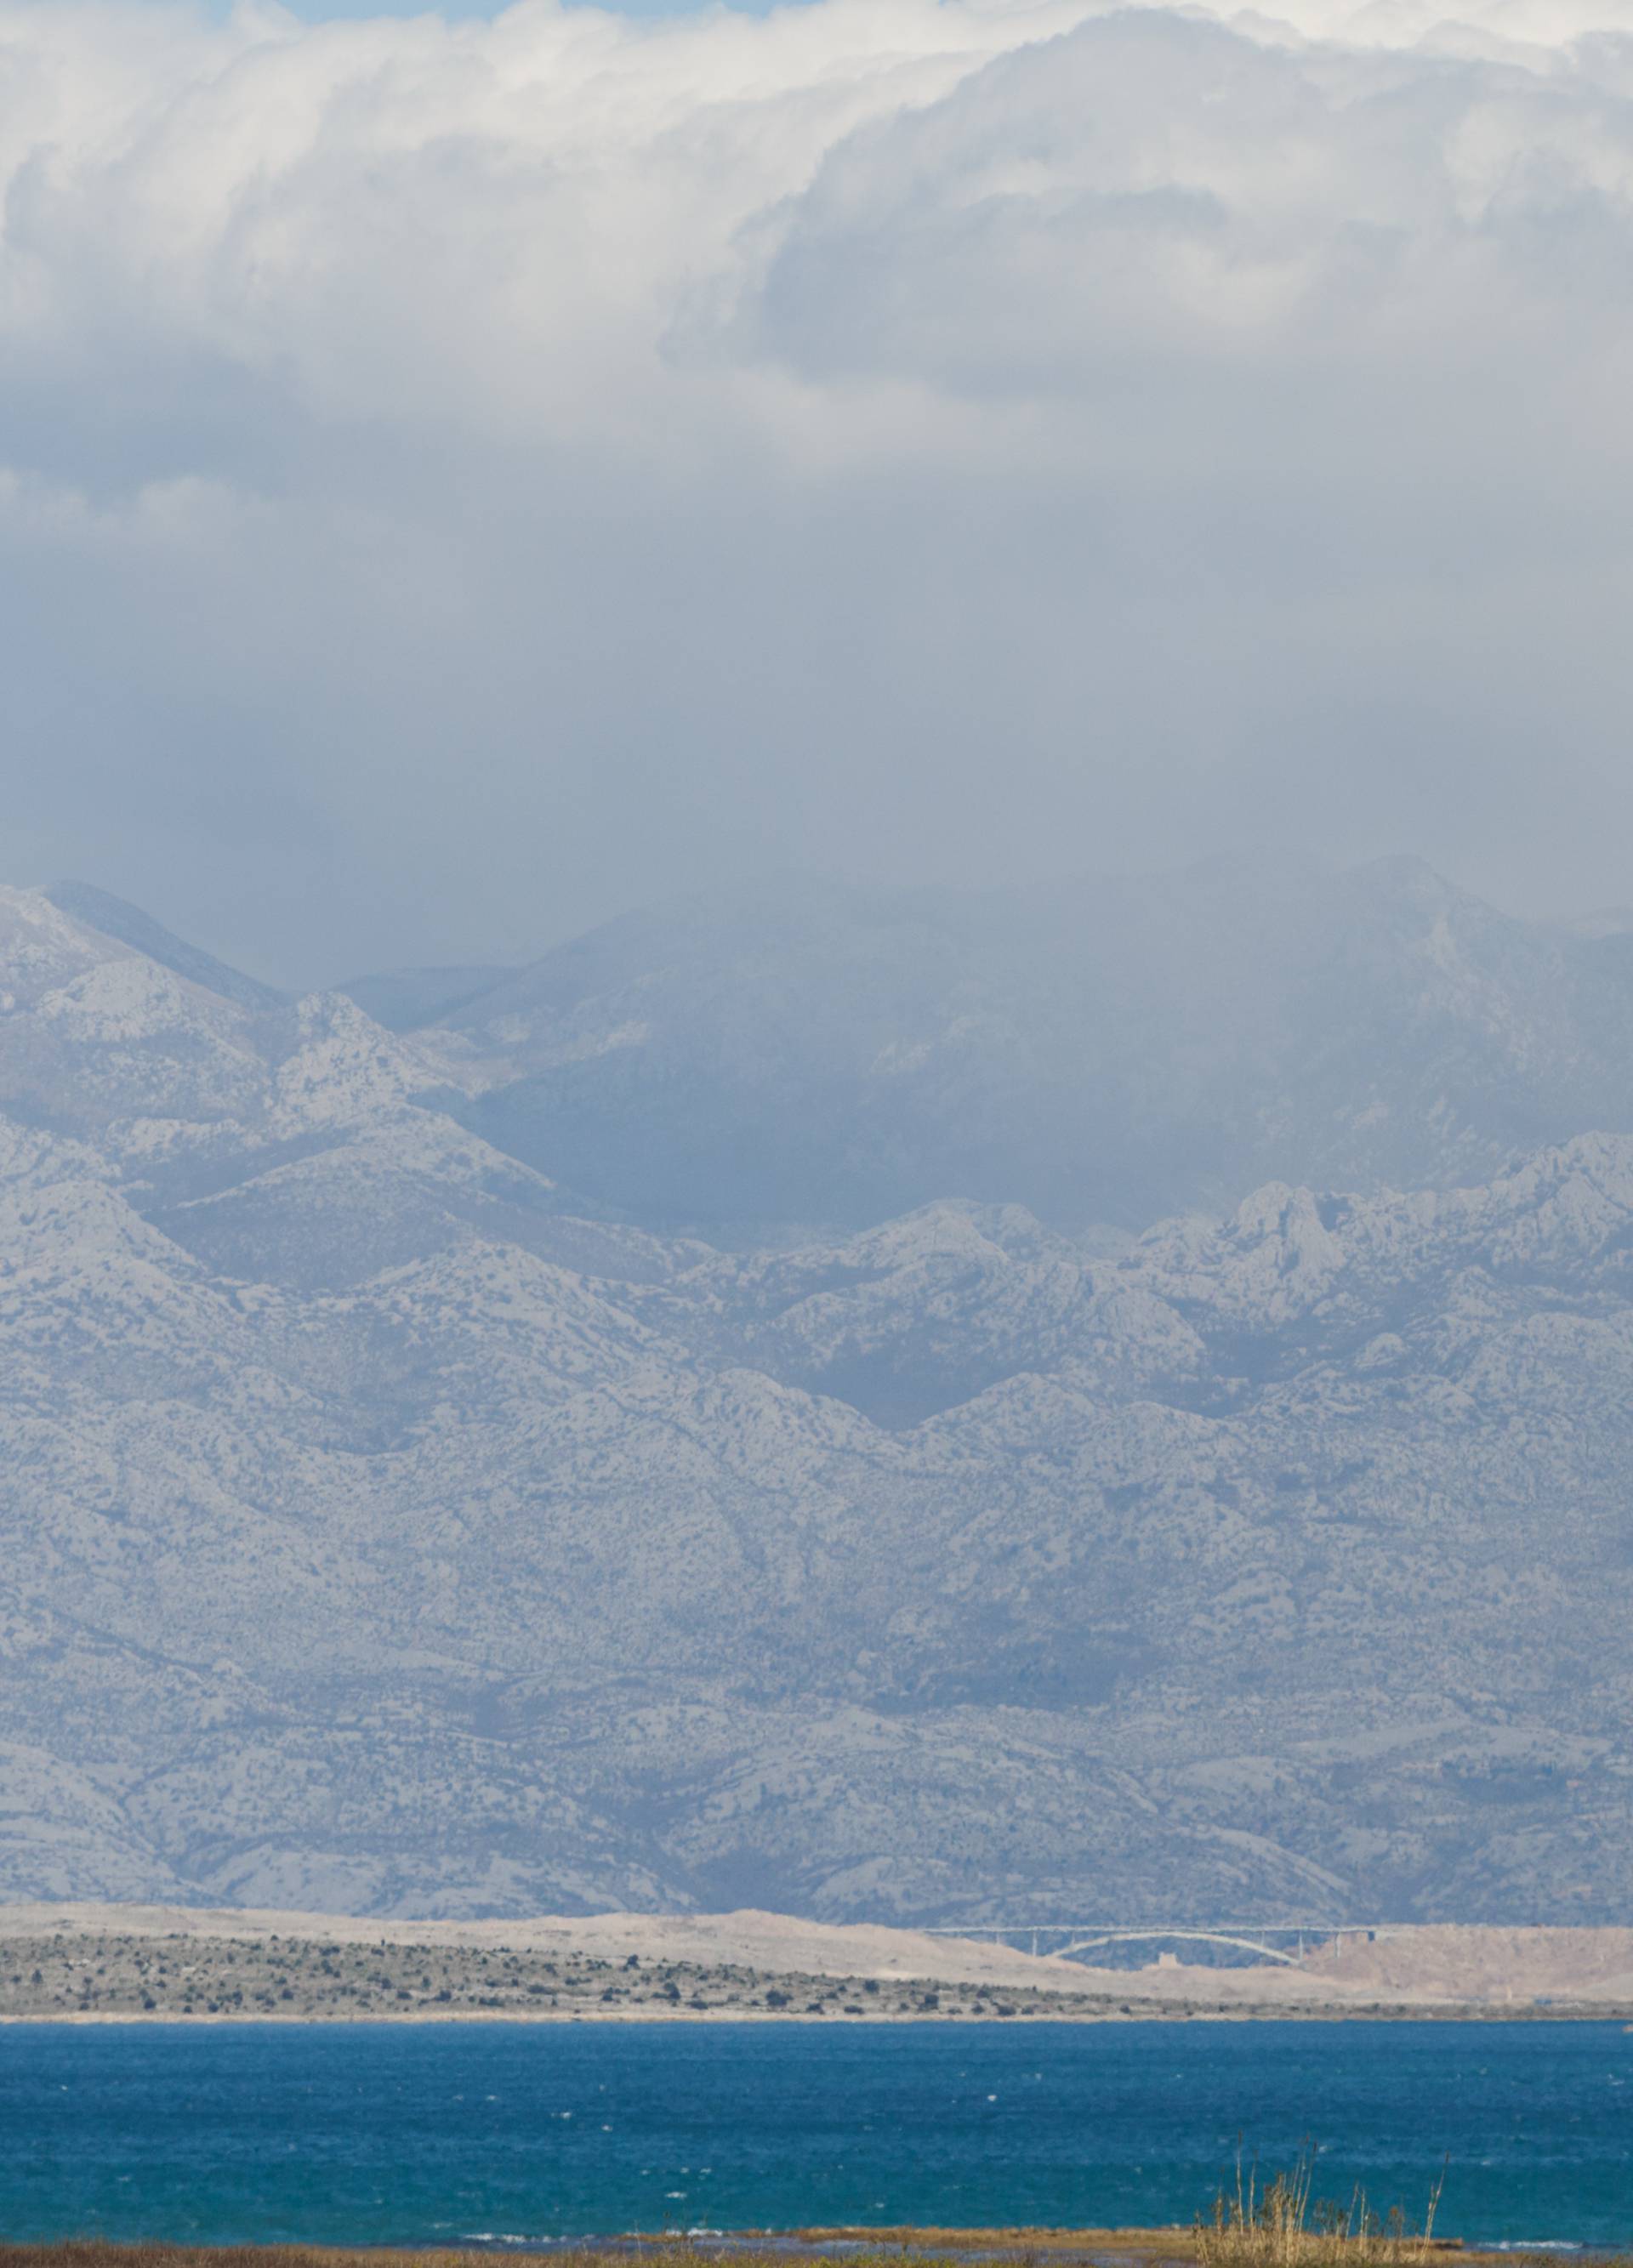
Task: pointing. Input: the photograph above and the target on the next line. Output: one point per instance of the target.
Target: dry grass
(651, 2252)
(1278, 2227)
(631, 2253)
(96, 2252)
(1284, 2225)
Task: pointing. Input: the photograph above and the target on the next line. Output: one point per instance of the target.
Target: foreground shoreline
(800, 2247)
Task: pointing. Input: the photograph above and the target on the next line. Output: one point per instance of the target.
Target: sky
(332, 11)
(461, 479)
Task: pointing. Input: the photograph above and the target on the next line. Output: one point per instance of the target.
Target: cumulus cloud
(459, 478)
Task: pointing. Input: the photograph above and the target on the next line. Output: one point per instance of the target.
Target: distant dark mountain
(100, 909)
(402, 1000)
(1101, 1052)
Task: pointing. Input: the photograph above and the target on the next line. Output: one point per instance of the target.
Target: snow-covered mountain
(393, 1525)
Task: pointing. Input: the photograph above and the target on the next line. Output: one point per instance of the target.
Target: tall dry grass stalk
(1283, 2225)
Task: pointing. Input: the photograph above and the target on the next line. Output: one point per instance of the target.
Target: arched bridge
(1287, 1942)
(1261, 1951)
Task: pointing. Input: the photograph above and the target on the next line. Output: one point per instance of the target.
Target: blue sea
(501, 2134)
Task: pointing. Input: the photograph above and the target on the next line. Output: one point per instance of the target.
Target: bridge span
(1287, 1942)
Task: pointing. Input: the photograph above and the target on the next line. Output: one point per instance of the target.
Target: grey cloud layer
(522, 467)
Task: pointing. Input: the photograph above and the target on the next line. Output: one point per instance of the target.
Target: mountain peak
(128, 925)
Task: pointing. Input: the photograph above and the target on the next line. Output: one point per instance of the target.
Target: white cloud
(562, 456)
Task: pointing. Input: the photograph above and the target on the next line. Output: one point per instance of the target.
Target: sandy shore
(803, 2248)
(773, 1943)
(102, 1963)
(84, 1974)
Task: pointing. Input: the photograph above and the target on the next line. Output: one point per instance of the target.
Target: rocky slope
(395, 1529)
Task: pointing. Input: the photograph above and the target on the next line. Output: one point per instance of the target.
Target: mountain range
(1103, 1052)
(1102, 1401)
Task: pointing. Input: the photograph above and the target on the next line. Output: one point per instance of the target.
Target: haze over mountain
(403, 1521)
(1103, 1050)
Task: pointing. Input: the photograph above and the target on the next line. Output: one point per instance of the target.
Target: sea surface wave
(499, 2136)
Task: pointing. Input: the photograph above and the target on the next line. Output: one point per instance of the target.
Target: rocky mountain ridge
(1105, 1051)
(395, 1529)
